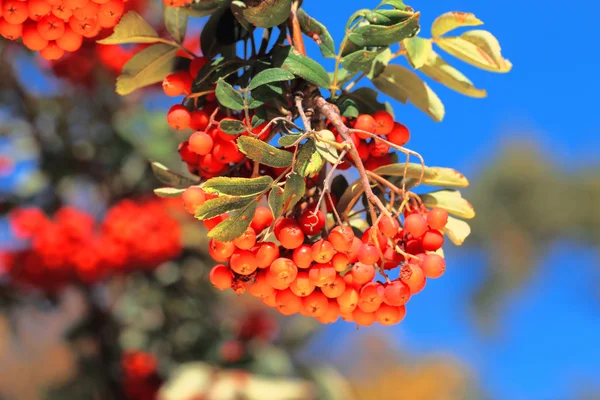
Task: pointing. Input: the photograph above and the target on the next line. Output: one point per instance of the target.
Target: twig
(305, 121)
(297, 38)
(337, 216)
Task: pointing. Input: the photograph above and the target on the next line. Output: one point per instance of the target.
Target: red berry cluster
(55, 26)
(329, 276)
(72, 246)
(139, 375)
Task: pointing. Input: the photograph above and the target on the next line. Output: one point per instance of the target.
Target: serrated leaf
(232, 126)
(442, 72)
(132, 28)
(418, 51)
(222, 205)
(235, 225)
(479, 48)
(264, 153)
(149, 66)
(380, 35)
(276, 201)
(228, 96)
(451, 201)
(167, 192)
(452, 20)
(404, 86)
(447, 177)
(267, 13)
(237, 186)
(413, 170)
(318, 32)
(175, 22)
(360, 61)
(457, 230)
(288, 140)
(294, 190)
(287, 57)
(168, 177)
(327, 151)
(270, 75)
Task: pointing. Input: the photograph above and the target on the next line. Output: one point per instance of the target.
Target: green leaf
(149, 66)
(270, 75)
(168, 192)
(168, 177)
(202, 8)
(447, 177)
(452, 20)
(221, 32)
(380, 63)
(221, 205)
(295, 187)
(132, 28)
(326, 151)
(451, 201)
(363, 100)
(232, 126)
(175, 22)
(457, 230)
(478, 48)
(318, 32)
(276, 201)
(288, 140)
(398, 4)
(357, 15)
(288, 58)
(238, 186)
(387, 17)
(228, 96)
(380, 35)
(267, 13)
(259, 118)
(264, 153)
(339, 186)
(235, 225)
(360, 61)
(442, 72)
(307, 162)
(315, 164)
(404, 86)
(413, 170)
(418, 51)
(237, 8)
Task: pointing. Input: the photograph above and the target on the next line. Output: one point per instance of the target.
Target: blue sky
(548, 347)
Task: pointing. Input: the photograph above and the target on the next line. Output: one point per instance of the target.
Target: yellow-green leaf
(413, 170)
(444, 73)
(479, 48)
(221, 205)
(294, 190)
(175, 22)
(451, 201)
(235, 225)
(132, 28)
(457, 230)
(452, 20)
(418, 51)
(327, 151)
(447, 177)
(276, 201)
(168, 177)
(149, 66)
(267, 13)
(404, 85)
(238, 186)
(264, 153)
(167, 192)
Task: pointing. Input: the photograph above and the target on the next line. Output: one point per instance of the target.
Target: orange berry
(362, 273)
(220, 251)
(363, 318)
(193, 197)
(290, 236)
(199, 119)
(341, 237)
(261, 288)
(432, 240)
(388, 226)
(32, 38)
(368, 254)
(176, 84)
(399, 135)
(73, 4)
(221, 277)
(315, 304)
(225, 151)
(287, 302)
(247, 240)
(396, 293)
(276, 283)
(384, 122)
(178, 117)
(10, 31)
(346, 315)
(15, 12)
(101, 1)
(311, 222)
(322, 251)
(302, 256)
(54, 2)
(415, 224)
(52, 51)
(416, 278)
(263, 218)
(437, 218)
(243, 262)
(390, 315)
(84, 28)
(353, 253)
(212, 222)
(38, 8)
(112, 9)
(340, 262)
(51, 27)
(433, 266)
(270, 301)
(284, 270)
(302, 286)
(200, 142)
(322, 274)
(371, 296)
(267, 254)
(365, 122)
(69, 41)
(107, 21)
(335, 288)
(331, 314)
(90, 10)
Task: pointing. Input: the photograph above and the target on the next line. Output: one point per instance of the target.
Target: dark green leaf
(175, 22)
(268, 92)
(288, 58)
(213, 71)
(238, 186)
(276, 201)
(360, 61)
(361, 101)
(318, 32)
(234, 226)
(267, 13)
(228, 96)
(232, 126)
(380, 35)
(221, 30)
(339, 186)
(387, 17)
(355, 17)
(418, 51)
(259, 118)
(295, 187)
(168, 177)
(149, 66)
(264, 153)
(288, 140)
(132, 28)
(398, 4)
(270, 75)
(168, 192)
(202, 8)
(221, 205)
(237, 8)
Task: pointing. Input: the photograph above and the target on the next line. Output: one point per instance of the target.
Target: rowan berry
(210, 164)
(322, 274)
(388, 226)
(284, 270)
(322, 251)
(371, 296)
(365, 122)
(335, 288)
(193, 197)
(212, 222)
(112, 9)
(267, 254)
(390, 315)
(315, 304)
(32, 38)
(38, 8)
(378, 148)
(348, 300)
(302, 286)
(70, 40)
(384, 122)
(247, 240)
(363, 318)
(331, 314)
(243, 262)
(199, 120)
(220, 251)
(368, 254)
(90, 10)
(399, 135)
(353, 252)
(10, 31)
(415, 224)
(178, 117)
(340, 262)
(416, 280)
(201, 143)
(396, 293)
(433, 266)
(174, 85)
(225, 151)
(15, 12)
(270, 301)
(414, 246)
(373, 237)
(362, 273)
(290, 236)
(302, 256)
(221, 277)
(312, 222)
(287, 302)
(437, 218)
(51, 27)
(52, 51)
(62, 12)
(432, 240)
(261, 288)
(263, 218)
(341, 237)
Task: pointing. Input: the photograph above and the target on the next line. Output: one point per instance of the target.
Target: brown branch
(297, 38)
